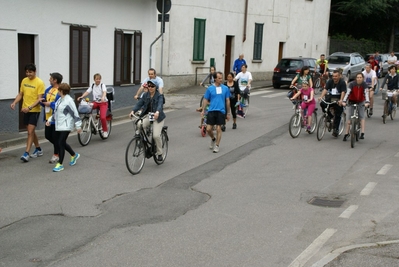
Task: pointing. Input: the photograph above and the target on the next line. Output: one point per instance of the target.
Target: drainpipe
(245, 21)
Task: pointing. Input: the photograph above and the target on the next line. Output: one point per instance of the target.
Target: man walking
(31, 91)
(218, 98)
(238, 63)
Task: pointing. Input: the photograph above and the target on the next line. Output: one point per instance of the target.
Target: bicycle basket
(84, 109)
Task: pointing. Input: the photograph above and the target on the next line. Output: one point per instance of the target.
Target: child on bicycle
(308, 102)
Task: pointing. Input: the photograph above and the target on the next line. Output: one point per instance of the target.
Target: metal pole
(162, 30)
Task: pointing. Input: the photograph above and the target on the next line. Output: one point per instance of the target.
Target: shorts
(349, 111)
(31, 118)
(215, 118)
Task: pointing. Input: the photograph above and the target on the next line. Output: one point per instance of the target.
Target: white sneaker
(212, 145)
(54, 159)
(216, 149)
(105, 134)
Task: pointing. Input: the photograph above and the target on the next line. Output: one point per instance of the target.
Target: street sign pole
(162, 32)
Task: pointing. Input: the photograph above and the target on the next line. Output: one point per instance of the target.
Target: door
(137, 42)
(227, 56)
(26, 55)
(122, 58)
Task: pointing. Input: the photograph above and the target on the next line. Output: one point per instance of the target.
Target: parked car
(289, 67)
(384, 62)
(350, 63)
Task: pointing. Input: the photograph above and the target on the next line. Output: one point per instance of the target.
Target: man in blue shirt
(218, 98)
(238, 64)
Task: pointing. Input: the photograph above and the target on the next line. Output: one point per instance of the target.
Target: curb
(337, 252)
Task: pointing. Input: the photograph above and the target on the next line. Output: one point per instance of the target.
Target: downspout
(244, 37)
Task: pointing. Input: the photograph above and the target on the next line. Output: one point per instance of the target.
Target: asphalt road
(245, 206)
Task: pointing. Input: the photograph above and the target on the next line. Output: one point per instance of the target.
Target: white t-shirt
(243, 79)
(97, 91)
(392, 58)
(158, 79)
(368, 77)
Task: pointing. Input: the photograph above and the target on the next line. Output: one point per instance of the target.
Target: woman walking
(66, 118)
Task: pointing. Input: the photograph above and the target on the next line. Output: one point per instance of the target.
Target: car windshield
(290, 63)
(339, 60)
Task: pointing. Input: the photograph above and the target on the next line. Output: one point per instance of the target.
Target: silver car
(350, 63)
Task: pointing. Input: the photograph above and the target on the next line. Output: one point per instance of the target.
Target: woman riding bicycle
(152, 101)
(100, 100)
(303, 76)
(308, 102)
(392, 81)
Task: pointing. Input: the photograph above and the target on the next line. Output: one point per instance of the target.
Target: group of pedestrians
(221, 99)
(60, 114)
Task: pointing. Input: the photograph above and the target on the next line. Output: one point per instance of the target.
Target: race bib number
(334, 91)
(218, 90)
(305, 97)
(47, 109)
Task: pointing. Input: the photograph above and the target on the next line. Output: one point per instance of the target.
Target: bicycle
(389, 106)
(367, 109)
(91, 123)
(354, 129)
(143, 146)
(243, 106)
(299, 121)
(326, 123)
(202, 98)
(318, 83)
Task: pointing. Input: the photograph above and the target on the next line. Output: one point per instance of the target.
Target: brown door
(122, 58)
(26, 55)
(137, 44)
(227, 56)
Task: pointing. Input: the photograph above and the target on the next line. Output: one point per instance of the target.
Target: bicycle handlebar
(329, 103)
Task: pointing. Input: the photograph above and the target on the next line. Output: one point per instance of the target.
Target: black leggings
(233, 102)
(49, 133)
(61, 137)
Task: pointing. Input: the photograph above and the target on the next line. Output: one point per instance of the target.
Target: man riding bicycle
(323, 68)
(392, 82)
(356, 94)
(335, 91)
(370, 77)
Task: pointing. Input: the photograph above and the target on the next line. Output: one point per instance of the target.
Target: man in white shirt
(370, 77)
(152, 75)
(392, 58)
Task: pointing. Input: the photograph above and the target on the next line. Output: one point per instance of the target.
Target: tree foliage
(368, 19)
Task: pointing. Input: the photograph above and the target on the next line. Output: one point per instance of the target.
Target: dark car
(289, 67)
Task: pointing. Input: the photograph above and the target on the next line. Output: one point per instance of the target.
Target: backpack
(357, 94)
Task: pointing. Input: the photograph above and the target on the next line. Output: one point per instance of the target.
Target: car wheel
(276, 85)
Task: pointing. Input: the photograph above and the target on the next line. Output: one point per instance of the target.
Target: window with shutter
(199, 39)
(258, 40)
(79, 58)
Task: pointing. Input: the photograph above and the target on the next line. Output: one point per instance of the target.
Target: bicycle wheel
(245, 106)
(317, 86)
(321, 128)
(385, 112)
(314, 122)
(353, 132)
(202, 99)
(393, 111)
(295, 125)
(342, 123)
(135, 155)
(203, 130)
(164, 140)
(109, 126)
(84, 136)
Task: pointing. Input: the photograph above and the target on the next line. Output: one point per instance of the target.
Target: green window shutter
(199, 39)
(258, 40)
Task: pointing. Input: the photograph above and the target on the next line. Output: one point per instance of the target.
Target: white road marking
(368, 188)
(348, 212)
(274, 95)
(384, 169)
(313, 248)
(259, 92)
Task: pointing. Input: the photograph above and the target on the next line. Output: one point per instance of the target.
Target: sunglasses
(152, 86)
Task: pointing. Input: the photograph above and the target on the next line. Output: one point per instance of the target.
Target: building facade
(121, 39)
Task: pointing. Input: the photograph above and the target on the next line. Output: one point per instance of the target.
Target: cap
(154, 82)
